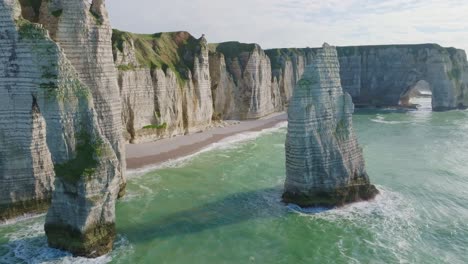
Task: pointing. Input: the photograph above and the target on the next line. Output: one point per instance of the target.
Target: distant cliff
(287, 67)
(60, 118)
(382, 75)
(164, 82)
(324, 163)
(164, 79)
(242, 82)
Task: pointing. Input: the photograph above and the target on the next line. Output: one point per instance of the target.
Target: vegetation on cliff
(172, 50)
(232, 49)
(278, 56)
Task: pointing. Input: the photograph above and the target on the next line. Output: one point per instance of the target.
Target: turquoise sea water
(223, 205)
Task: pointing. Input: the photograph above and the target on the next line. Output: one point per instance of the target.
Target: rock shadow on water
(233, 209)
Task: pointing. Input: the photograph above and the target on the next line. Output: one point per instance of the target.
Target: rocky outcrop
(383, 75)
(242, 82)
(324, 163)
(164, 82)
(60, 116)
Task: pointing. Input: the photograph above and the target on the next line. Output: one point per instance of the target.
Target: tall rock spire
(60, 117)
(324, 163)
(81, 218)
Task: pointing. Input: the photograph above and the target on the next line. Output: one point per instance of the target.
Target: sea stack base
(92, 243)
(337, 198)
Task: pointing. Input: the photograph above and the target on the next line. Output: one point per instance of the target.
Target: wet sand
(153, 153)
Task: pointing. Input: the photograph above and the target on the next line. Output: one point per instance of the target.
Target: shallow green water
(223, 206)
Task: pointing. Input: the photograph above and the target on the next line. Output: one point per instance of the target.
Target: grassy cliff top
(171, 50)
(232, 49)
(277, 56)
(352, 50)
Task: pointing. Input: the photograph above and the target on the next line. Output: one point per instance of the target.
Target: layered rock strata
(60, 116)
(287, 66)
(164, 82)
(242, 82)
(324, 163)
(249, 83)
(383, 75)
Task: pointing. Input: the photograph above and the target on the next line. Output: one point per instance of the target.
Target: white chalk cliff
(60, 117)
(164, 82)
(324, 163)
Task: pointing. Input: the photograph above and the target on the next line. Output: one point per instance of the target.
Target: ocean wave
(381, 119)
(390, 217)
(19, 219)
(28, 244)
(388, 204)
(226, 143)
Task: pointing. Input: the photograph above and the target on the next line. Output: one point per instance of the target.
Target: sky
(300, 23)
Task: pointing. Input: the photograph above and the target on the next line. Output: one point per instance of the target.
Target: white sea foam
(390, 217)
(226, 143)
(28, 244)
(387, 205)
(20, 219)
(381, 119)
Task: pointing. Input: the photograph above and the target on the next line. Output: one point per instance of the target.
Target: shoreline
(144, 155)
(151, 154)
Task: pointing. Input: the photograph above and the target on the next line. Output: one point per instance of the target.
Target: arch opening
(417, 96)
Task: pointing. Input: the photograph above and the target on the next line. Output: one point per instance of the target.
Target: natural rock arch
(380, 75)
(420, 89)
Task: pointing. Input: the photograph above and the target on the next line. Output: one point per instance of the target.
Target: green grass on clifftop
(415, 48)
(173, 50)
(278, 56)
(232, 49)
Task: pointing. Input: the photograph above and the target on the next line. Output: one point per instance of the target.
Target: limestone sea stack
(81, 218)
(60, 118)
(324, 163)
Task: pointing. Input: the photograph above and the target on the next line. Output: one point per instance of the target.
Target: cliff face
(324, 163)
(26, 169)
(382, 75)
(288, 65)
(82, 215)
(247, 82)
(242, 82)
(60, 116)
(164, 83)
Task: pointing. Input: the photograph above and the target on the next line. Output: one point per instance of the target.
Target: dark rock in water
(324, 163)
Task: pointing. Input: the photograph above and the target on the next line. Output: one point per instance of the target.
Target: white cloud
(301, 23)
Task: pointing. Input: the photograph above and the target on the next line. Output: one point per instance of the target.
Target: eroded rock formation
(287, 66)
(26, 169)
(60, 116)
(249, 83)
(242, 82)
(382, 75)
(324, 163)
(164, 83)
